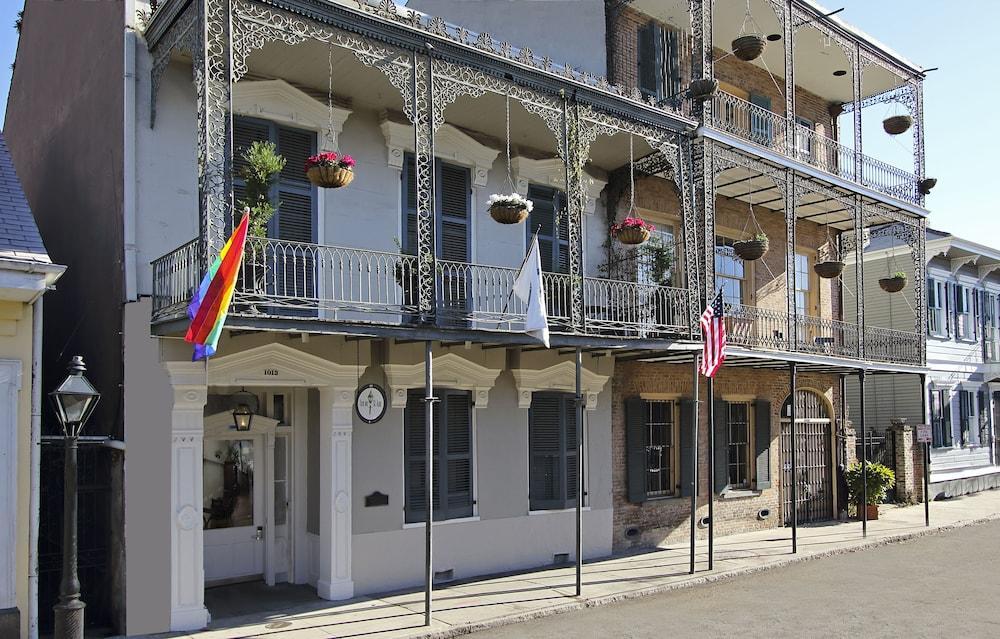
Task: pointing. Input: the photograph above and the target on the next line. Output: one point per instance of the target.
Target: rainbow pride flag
(210, 305)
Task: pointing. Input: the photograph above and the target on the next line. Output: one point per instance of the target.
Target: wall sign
(370, 404)
(924, 434)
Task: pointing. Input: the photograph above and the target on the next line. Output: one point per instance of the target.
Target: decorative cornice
(279, 101)
(561, 377)
(449, 144)
(280, 365)
(450, 371)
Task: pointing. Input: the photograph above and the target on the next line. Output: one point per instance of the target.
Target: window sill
(460, 520)
(533, 513)
(662, 498)
(740, 493)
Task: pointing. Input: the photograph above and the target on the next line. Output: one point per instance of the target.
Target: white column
(187, 560)
(336, 425)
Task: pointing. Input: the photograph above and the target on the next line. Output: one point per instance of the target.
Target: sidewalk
(463, 608)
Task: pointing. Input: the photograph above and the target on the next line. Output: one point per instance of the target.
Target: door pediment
(279, 365)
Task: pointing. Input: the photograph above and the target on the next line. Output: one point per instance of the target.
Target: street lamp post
(74, 401)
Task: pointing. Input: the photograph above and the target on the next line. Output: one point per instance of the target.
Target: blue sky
(960, 126)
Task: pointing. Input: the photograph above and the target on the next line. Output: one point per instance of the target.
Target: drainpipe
(34, 500)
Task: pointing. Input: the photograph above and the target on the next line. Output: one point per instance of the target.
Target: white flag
(528, 288)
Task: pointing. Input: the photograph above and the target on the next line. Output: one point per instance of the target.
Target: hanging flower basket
(750, 250)
(893, 284)
(749, 47)
(897, 124)
(330, 171)
(925, 185)
(828, 269)
(632, 231)
(510, 209)
(703, 88)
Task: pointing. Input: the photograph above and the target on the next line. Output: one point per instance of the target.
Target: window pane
(659, 448)
(228, 483)
(739, 444)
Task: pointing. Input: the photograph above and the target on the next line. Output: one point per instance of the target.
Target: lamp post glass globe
(243, 414)
(75, 398)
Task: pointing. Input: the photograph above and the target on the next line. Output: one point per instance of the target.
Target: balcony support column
(918, 135)
(788, 25)
(422, 85)
(859, 272)
(574, 157)
(703, 176)
(856, 112)
(213, 86)
(790, 278)
(702, 62)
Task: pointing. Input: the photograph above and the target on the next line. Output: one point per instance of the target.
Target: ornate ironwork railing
(176, 276)
(890, 345)
(754, 327)
(765, 128)
(632, 308)
(827, 337)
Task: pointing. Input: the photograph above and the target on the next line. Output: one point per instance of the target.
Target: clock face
(370, 403)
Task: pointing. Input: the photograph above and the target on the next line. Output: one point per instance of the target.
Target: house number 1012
(271, 372)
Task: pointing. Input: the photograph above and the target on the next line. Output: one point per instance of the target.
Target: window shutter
(947, 434)
(636, 411)
(646, 47)
(721, 427)
(687, 444)
(673, 63)
(415, 444)
(762, 442)
(571, 463)
(935, 408)
(553, 234)
(458, 442)
(545, 451)
(409, 178)
(295, 145)
(454, 192)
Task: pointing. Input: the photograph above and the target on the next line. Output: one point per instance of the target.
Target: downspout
(128, 169)
(34, 499)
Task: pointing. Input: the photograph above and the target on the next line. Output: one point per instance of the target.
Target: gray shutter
(721, 427)
(457, 472)
(762, 442)
(646, 49)
(454, 192)
(415, 427)
(570, 461)
(687, 445)
(246, 131)
(545, 450)
(409, 178)
(760, 126)
(295, 266)
(946, 428)
(672, 69)
(635, 446)
(543, 218)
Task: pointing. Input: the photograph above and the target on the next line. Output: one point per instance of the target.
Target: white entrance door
(234, 508)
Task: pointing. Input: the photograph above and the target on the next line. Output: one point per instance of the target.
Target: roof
(19, 237)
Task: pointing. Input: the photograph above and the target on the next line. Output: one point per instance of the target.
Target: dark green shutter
(409, 179)
(569, 446)
(458, 445)
(545, 451)
(721, 428)
(415, 427)
(762, 442)
(761, 130)
(453, 469)
(687, 445)
(454, 188)
(635, 445)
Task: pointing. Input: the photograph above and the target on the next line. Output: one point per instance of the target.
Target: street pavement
(943, 585)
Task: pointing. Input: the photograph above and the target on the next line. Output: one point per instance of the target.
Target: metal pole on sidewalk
(926, 452)
(711, 473)
(794, 445)
(694, 461)
(429, 400)
(579, 472)
(864, 457)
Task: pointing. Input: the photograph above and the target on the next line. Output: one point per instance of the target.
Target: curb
(597, 602)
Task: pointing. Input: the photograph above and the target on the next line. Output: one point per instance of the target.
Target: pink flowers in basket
(330, 160)
(631, 223)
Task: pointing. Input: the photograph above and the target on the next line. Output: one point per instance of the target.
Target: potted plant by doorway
(329, 170)
(894, 283)
(752, 249)
(880, 479)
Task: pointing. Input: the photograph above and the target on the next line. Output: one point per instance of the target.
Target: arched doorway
(814, 461)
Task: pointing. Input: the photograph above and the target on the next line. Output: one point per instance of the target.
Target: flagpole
(579, 472)
(711, 470)
(694, 464)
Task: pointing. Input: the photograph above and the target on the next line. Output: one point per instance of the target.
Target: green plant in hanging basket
(893, 284)
(261, 166)
(752, 249)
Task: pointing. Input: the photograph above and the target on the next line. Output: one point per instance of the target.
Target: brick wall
(664, 521)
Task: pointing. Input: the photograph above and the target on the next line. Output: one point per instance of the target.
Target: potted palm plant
(880, 479)
(752, 249)
(894, 283)
(260, 169)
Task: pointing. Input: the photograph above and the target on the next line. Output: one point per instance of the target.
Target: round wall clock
(370, 404)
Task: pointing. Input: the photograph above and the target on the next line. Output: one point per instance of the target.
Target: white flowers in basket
(513, 200)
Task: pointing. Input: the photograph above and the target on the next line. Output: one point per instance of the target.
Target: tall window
(657, 258)
(659, 61)
(936, 320)
(802, 273)
(548, 217)
(761, 122)
(730, 271)
(967, 418)
(965, 312)
(990, 326)
(552, 460)
(803, 138)
(941, 418)
(453, 209)
(660, 448)
(452, 456)
(738, 421)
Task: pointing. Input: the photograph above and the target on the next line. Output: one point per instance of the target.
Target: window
(453, 496)
(967, 423)
(453, 207)
(936, 295)
(761, 127)
(548, 216)
(803, 138)
(658, 62)
(990, 326)
(552, 459)
(657, 258)
(738, 421)
(730, 271)
(802, 276)
(965, 304)
(941, 418)
(660, 448)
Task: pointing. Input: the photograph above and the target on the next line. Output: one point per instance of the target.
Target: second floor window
(548, 216)
(453, 208)
(990, 326)
(658, 61)
(965, 312)
(730, 271)
(936, 311)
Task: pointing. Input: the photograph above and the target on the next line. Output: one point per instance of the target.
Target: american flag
(713, 329)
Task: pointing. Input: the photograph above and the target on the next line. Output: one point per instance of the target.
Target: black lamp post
(74, 401)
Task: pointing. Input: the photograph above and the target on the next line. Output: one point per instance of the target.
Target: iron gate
(814, 476)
